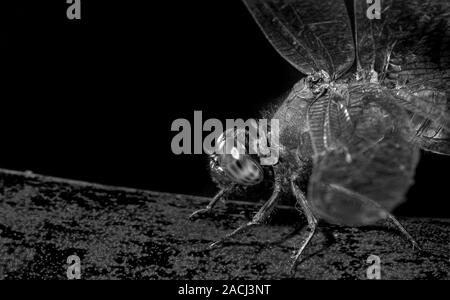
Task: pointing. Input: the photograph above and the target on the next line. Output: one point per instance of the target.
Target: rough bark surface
(121, 233)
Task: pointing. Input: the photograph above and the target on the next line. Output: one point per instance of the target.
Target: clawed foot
(292, 265)
(198, 213)
(416, 246)
(232, 234)
(215, 244)
(210, 205)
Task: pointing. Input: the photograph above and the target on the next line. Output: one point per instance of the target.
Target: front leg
(260, 216)
(211, 204)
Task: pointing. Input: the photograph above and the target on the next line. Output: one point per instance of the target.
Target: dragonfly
(373, 93)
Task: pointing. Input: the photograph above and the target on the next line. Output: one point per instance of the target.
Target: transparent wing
(312, 35)
(434, 140)
(409, 47)
(410, 42)
(426, 102)
(364, 157)
(429, 110)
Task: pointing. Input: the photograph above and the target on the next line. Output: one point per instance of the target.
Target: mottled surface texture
(130, 234)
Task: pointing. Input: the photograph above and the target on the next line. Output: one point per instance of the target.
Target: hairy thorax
(292, 114)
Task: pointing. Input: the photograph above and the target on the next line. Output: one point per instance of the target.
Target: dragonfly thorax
(317, 82)
(370, 76)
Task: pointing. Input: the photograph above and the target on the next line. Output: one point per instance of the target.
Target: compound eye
(245, 171)
(235, 153)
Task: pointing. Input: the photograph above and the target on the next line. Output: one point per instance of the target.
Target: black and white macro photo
(225, 140)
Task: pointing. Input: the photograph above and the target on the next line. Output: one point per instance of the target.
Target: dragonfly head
(232, 162)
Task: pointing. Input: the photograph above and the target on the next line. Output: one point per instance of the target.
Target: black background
(94, 99)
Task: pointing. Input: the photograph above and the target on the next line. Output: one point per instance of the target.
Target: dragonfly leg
(260, 216)
(210, 205)
(415, 245)
(387, 214)
(312, 221)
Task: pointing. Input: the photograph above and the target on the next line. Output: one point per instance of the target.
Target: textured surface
(130, 234)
